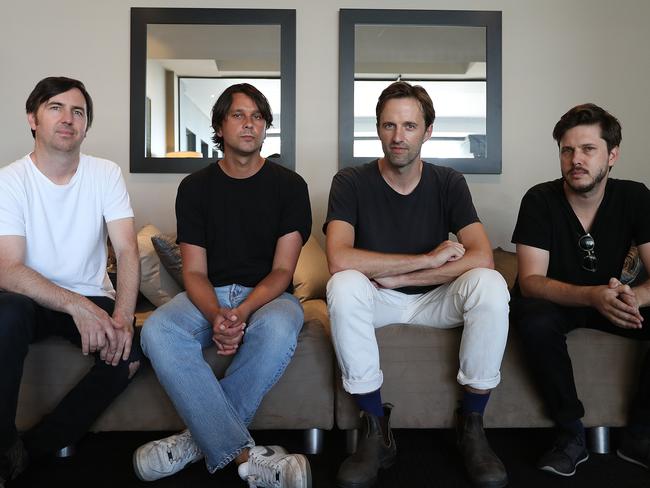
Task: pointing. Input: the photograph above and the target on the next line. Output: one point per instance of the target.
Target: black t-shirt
(238, 221)
(388, 222)
(547, 221)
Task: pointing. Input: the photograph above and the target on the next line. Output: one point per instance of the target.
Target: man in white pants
(387, 227)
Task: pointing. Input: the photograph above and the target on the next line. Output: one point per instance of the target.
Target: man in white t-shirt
(57, 207)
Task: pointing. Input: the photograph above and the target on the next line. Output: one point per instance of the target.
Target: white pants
(478, 299)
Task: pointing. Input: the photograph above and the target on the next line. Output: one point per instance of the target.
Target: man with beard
(57, 207)
(573, 235)
(241, 222)
(388, 248)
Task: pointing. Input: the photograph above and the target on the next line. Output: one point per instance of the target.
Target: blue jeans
(217, 412)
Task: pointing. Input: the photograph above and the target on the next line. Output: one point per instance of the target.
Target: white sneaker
(272, 467)
(164, 457)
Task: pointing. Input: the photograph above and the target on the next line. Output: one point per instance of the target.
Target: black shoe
(373, 452)
(12, 462)
(635, 448)
(483, 467)
(563, 458)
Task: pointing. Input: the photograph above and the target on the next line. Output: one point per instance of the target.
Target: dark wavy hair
(52, 86)
(590, 114)
(402, 89)
(223, 103)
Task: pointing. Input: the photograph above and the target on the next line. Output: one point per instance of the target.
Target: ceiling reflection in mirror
(450, 62)
(189, 66)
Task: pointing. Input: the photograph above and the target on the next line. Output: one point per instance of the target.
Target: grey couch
(419, 365)
(302, 399)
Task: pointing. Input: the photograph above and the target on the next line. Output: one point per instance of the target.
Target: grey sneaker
(12, 462)
(564, 456)
(165, 457)
(272, 467)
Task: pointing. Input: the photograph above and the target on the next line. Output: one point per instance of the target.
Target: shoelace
(265, 471)
(181, 448)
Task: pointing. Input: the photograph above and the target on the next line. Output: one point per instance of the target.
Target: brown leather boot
(373, 452)
(483, 467)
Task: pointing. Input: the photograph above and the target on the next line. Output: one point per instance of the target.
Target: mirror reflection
(453, 70)
(187, 68)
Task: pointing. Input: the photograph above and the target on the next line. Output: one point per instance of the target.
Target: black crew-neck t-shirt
(239, 221)
(547, 221)
(389, 222)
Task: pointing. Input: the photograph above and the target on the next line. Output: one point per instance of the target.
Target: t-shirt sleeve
(116, 199)
(12, 218)
(297, 209)
(533, 222)
(342, 204)
(461, 208)
(190, 225)
(641, 230)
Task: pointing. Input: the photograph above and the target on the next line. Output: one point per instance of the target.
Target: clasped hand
(111, 337)
(618, 303)
(228, 330)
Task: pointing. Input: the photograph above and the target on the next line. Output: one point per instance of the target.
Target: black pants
(22, 322)
(542, 327)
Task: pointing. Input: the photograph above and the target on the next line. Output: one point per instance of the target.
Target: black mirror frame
(140, 17)
(491, 20)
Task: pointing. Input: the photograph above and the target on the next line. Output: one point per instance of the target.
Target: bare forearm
(18, 278)
(128, 281)
(448, 271)
(271, 287)
(201, 293)
(376, 264)
(568, 295)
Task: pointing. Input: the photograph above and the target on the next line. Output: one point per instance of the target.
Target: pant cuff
(359, 387)
(478, 384)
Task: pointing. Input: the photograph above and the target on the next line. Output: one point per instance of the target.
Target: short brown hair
(590, 114)
(402, 89)
(52, 86)
(223, 103)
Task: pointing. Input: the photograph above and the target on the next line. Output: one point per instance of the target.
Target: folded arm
(342, 255)
(477, 253)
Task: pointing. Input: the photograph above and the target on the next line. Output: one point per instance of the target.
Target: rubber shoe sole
(550, 469)
(620, 454)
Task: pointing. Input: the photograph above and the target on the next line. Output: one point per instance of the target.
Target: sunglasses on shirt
(589, 261)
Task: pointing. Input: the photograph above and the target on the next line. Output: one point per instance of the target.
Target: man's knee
(348, 287)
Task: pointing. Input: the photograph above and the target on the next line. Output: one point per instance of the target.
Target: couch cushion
(169, 254)
(311, 275)
(155, 282)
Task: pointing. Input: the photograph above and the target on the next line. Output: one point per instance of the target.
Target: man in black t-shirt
(573, 235)
(241, 224)
(388, 249)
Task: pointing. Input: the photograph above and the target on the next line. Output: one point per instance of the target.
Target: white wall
(156, 93)
(556, 54)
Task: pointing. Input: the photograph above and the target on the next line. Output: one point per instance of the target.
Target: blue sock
(474, 402)
(370, 403)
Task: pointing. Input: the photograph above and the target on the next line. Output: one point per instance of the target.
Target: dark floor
(426, 458)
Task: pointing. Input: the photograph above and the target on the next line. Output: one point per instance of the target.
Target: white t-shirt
(65, 225)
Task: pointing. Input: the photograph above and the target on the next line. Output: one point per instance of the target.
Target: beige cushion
(312, 274)
(155, 282)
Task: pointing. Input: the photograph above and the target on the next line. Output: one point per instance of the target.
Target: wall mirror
(455, 55)
(181, 61)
